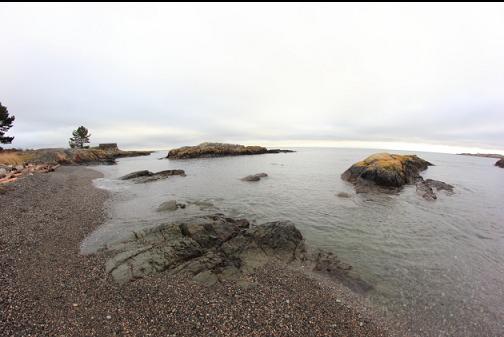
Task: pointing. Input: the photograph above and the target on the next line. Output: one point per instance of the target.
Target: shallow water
(437, 265)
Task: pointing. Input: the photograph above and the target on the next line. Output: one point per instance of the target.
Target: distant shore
(47, 288)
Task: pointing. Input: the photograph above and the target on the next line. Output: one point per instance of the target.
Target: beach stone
(3, 172)
(255, 177)
(343, 195)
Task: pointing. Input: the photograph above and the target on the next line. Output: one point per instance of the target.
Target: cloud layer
(164, 75)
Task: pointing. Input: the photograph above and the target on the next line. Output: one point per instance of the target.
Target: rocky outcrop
(209, 150)
(254, 177)
(500, 163)
(146, 176)
(92, 156)
(216, 248)
(386, 170)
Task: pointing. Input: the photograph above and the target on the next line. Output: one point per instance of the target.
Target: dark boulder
(500, 163)
(386, 170)
(254, 177)
(145, 176)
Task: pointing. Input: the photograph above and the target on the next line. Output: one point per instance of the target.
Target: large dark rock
(254, 177)
(215, 248)
(500, 163)
(145, 176)
(389, 172)
(386, 170)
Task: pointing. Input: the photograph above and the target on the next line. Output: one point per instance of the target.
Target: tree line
(80, 136)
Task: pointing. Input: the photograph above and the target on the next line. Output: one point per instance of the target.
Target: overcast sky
(154, 76)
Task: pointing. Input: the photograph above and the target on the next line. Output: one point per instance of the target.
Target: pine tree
(5, 125)
(80, 137)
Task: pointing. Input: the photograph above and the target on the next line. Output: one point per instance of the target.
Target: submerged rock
(171, 205)
(216, 248)
(500, 163)
(439, 185)
(343, 195)
(386, 170)
(145, 176)
(255, 177)
(426, 188)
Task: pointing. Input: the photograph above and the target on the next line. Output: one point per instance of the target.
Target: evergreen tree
(80, 137)
(5, 124)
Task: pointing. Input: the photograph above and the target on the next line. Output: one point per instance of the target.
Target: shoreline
(47, 288)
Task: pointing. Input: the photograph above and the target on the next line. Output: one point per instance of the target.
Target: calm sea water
(436, 265)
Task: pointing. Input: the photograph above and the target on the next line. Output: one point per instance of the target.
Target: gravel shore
(48, 289)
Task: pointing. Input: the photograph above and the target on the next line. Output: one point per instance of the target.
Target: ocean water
(436, 266)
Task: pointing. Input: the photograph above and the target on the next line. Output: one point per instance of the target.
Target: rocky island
(209, 150)
(385, 171)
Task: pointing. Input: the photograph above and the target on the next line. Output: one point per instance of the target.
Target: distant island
(484, 155)
(210, 150)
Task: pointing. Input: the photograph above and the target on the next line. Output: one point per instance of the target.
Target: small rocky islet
(145, 176)
(389, 172)
(209, 150)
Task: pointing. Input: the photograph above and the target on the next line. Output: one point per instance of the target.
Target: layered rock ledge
(215, 248)
(209, 150)
(392, 171)
(146, 176)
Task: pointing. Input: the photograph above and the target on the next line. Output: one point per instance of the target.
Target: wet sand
(48, 289)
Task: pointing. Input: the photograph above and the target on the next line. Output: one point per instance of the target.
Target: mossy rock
(386, 170)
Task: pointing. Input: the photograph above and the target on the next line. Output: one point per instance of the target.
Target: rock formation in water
(209, 150)
(216, 248)
(500, 163)
(387, 170)
(425, 188)
(170, 206)
(483, 155)
(255, 177)
(392, 171)
(146, 176)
